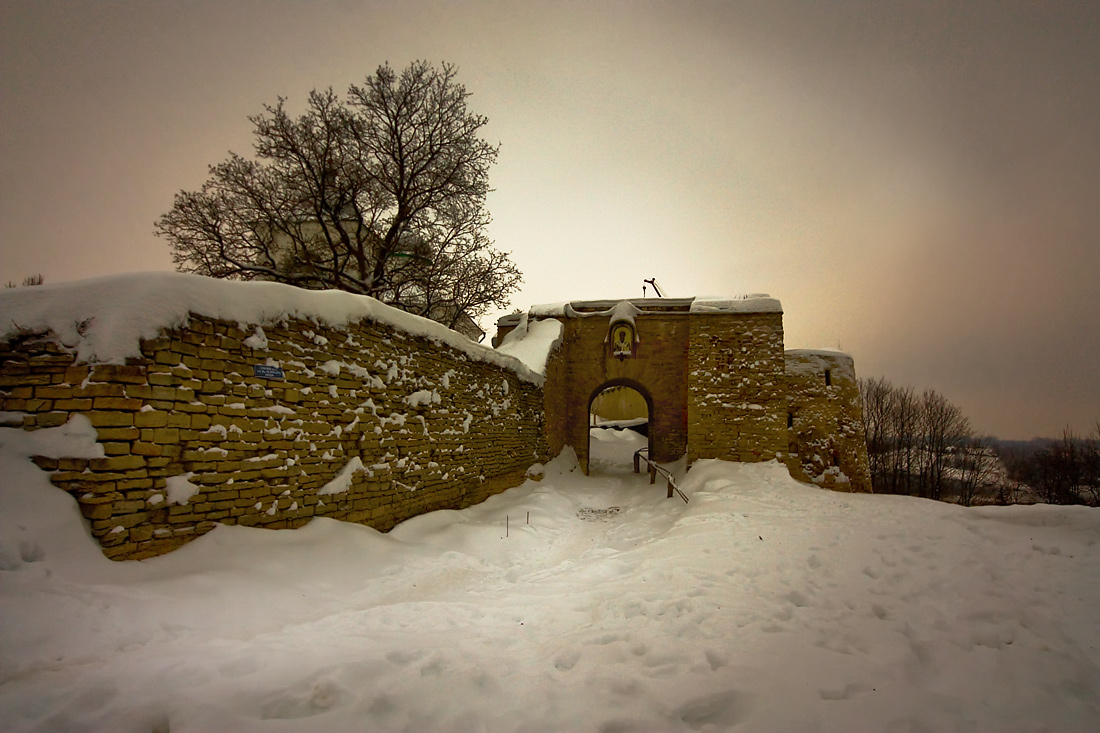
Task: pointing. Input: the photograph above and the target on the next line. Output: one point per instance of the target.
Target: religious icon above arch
(622, 339)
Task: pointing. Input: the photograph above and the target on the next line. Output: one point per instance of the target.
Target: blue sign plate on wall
(264, 371)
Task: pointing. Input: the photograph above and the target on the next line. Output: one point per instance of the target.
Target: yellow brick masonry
(826, 440)
(432, 427)
(717, 385)
(736, 390)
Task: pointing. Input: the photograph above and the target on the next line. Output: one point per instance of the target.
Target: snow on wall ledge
(104, 319)
(259, 404)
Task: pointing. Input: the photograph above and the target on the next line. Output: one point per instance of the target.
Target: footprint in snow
(715, 659)
(1052, 550)
(403, 658)
(310, 699)
(566, 660)
(30, 551)
(718, 710)
(603, 639)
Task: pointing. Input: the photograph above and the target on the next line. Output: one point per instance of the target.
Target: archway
(619, 413)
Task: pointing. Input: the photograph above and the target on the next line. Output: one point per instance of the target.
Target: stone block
(149, 419)
(180, 420)
(51, 419)
(116, 403)
(144, 484)
(117, 463)
(125, 374)
(162, 379)
(163, 436)
(52, 392)
(141, 533)
(73, 405)
(95, 511)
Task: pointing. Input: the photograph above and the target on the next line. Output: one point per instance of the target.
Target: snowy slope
(572, 604)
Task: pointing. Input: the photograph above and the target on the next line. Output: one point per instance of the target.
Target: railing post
(636, 457)
(669, 487)
(652, 474)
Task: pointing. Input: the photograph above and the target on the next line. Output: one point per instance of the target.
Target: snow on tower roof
(753, 303)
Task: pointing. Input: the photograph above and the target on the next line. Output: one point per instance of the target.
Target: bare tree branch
(380, 193)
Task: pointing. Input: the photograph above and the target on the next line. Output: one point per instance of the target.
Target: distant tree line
(1065, 471)
(919, 444)
(28, 282)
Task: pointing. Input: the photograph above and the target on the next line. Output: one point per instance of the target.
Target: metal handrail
(654, 469)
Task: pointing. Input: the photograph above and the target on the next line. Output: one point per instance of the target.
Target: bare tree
(1091, 473)
(944, 429)
(905, 417)
(977, 469)
(380, 193)
(911, 439)
(875, 395)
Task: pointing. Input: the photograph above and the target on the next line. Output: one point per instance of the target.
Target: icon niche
(622, 339)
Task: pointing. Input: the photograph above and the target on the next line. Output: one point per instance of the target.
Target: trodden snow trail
(761, 605)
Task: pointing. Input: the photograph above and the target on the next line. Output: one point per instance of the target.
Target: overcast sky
(917, 182)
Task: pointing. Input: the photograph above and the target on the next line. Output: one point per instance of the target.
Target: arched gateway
(714, 375)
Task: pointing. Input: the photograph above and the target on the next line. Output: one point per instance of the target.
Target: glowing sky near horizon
(917, 182)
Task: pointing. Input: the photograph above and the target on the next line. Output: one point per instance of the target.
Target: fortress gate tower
(715, 379)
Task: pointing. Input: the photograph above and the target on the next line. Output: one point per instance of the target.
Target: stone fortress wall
(736, 396)
(365, 423)
(271, 422)
(583, 366)
(717, 382)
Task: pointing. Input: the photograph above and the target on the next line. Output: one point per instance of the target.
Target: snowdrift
(575, 603)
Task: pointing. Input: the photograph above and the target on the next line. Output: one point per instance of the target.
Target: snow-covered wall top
(754, 303)
(832, 353)
(813, 361)
(532, 342)
(104, 319)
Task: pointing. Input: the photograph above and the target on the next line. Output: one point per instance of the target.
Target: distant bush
(28, 281)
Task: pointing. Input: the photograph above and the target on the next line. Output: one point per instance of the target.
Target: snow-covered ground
(576, 603)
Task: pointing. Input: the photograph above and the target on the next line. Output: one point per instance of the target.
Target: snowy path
(761, 605)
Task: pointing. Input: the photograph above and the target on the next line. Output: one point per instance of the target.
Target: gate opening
(618, 420)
